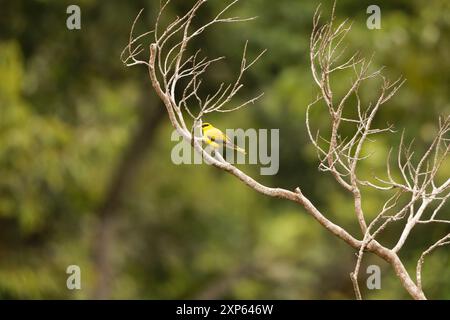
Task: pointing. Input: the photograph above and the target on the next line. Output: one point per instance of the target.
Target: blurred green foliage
(69, 111)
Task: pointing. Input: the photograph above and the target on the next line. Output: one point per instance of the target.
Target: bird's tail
(240, 150)
(235, 147)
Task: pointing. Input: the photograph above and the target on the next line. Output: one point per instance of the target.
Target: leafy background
(86, 176)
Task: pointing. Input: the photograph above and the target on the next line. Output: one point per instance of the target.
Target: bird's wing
(227, 139)
(216, 135)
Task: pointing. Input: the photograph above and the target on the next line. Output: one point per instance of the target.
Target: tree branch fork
(168, 64)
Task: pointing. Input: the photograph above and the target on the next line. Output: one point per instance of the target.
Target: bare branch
(340, 154)
(440, 243)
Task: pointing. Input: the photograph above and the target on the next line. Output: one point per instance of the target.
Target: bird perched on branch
(215, 138)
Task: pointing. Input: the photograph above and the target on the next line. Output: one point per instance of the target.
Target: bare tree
(176, 78)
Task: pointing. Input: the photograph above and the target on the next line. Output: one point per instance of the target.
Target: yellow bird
(214, 137)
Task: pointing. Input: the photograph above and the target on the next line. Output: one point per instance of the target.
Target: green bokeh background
(86, 176)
